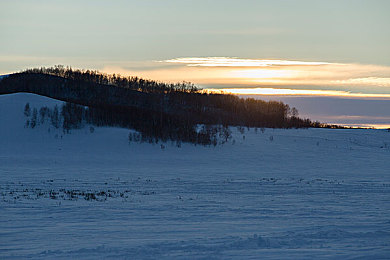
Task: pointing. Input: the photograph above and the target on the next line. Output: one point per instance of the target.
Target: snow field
(275, 194)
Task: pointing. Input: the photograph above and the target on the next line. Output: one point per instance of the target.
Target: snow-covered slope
(274, 194)
(3, 76)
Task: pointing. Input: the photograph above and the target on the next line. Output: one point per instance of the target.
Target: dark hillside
(156, 108)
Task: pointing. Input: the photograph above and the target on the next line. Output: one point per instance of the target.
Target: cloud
(375, 81)
(266, 72)
(236, 62)
(231, 72)
(297, 92)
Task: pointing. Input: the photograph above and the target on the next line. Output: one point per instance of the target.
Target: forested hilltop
(159, 111)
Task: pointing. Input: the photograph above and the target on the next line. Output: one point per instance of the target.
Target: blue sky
(336, 45)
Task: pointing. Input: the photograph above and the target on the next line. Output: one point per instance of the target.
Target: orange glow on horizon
(280, 76)
(260, 74)
(295, 92)
(375, 126)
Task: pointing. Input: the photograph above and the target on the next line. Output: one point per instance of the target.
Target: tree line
(175, 109)
(150, 126)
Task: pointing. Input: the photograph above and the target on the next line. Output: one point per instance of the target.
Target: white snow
(308, 193)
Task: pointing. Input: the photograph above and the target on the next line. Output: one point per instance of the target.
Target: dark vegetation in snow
(158, 111)
(72, 116)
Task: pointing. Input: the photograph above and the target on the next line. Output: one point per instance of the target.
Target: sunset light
(195, 129)
(367, 79)
(260, 74)
(296, 92)
(237, 62)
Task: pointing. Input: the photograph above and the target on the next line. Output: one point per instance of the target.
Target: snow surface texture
(279, 194)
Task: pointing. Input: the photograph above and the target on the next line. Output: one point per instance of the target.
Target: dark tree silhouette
(34, 118)
(27, 110)
(159, 111)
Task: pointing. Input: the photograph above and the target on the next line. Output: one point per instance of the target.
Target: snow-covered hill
(275, 194)
(3, 76)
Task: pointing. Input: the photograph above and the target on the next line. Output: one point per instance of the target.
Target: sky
(291, 50)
